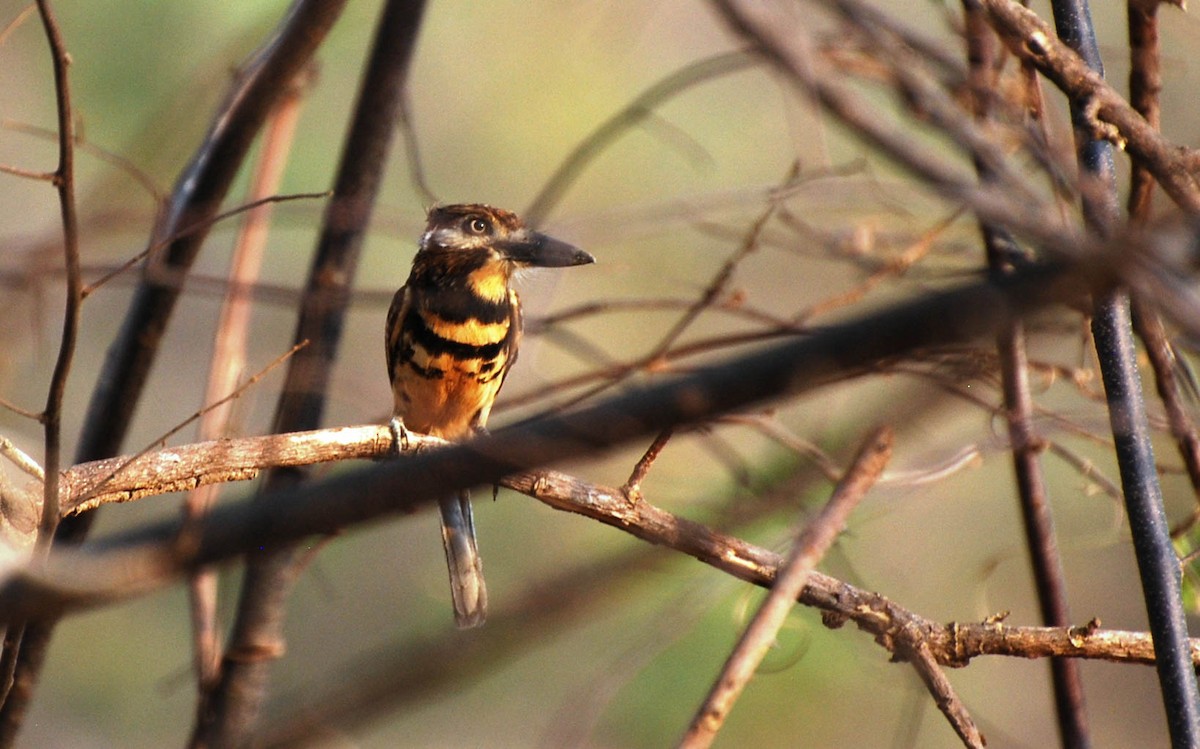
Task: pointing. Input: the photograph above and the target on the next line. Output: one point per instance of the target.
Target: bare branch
(791, 367)
(21, 459)
(82, 146)
(64, 182)
(1113, 118)
(198, 194)
(229, 356)
(170, 278)
(632, 487)
(816, 539)
(173, 469)
(919, 653)
(137, 563)
(639, 109)
(17, 171)
(16, 22)
(231, 707)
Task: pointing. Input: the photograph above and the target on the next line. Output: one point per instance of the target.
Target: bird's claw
(400, 437)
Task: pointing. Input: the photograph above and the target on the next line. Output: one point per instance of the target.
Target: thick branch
(230, 709)
(76, 579)
(154, 554)
(126, 478)
(197, 197)
(198, 194)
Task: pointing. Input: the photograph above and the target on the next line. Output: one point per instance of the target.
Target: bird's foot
(400, 438)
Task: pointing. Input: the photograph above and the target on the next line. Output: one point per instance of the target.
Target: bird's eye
(477, 225)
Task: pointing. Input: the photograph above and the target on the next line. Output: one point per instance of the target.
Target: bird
(453, 331)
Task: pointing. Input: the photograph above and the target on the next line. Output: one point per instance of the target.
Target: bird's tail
(462, 557)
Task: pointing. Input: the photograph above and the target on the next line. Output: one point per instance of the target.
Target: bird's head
(480, 234)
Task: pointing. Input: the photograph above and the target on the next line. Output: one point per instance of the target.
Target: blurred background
(500, 94)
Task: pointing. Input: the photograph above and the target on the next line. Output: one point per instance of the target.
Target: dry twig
(810, 547)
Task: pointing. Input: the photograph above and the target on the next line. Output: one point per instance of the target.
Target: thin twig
(1085, 468)
(16, 22)
(64, 182)
(1145, 85)
(21, 459)
(163, 274)
(1164, 363)
(639, 109)
(894, 268)
(17, 171)
(770, 426)
(82, 500)
(720, 280)
(229, 356)
(656, 357)
(632, 487)
(82, 146)
(14, 693)
(934, 678)
(10, 406)
(1026, 446)
(1108, 114)
(412, 149)
(816, 539)
(607, 376)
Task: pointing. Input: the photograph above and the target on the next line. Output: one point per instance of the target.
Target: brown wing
(392, 330)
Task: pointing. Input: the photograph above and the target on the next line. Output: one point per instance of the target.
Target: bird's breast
(451, 357)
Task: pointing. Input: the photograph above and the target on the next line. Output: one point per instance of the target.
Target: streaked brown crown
(468, 226)
(487, 244)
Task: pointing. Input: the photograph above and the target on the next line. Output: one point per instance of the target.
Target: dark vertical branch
(197, 196)
(1026, 446)
(196, 199)
(1145, 84)
(1111, 328)
(229, 355)
(228, 716)
(1040, 536)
